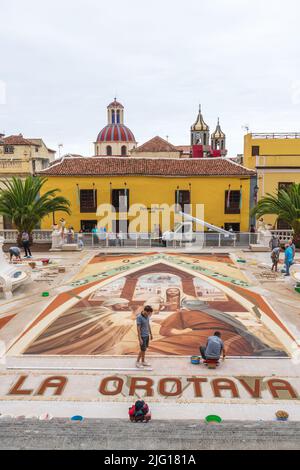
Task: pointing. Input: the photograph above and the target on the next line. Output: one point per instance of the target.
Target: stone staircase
(157, 435)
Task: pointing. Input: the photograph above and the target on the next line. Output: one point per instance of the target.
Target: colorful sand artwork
(192, 296)
(5, 318)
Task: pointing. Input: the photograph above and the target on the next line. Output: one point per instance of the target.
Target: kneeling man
(214, 347)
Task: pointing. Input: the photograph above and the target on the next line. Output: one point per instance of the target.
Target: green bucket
(45, 294)
(213, 419)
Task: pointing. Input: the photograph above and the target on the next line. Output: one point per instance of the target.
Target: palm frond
(22, 202)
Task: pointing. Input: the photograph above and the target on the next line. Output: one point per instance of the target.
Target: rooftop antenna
(246, 128)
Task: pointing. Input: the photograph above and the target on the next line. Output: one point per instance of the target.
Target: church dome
(115, 133)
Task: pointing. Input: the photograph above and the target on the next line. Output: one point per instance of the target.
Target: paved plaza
(73, 352)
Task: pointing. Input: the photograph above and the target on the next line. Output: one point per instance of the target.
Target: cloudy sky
(63, 61)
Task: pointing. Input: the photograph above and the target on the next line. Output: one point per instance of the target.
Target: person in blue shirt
(293, 246)
(288, 258)
(95, 234)
(214, 347)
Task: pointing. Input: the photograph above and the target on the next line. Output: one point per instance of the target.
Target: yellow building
(22, 157)
(89, 182)
(276, 158)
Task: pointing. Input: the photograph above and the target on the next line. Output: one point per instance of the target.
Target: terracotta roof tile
(16, 140)
(114, 166)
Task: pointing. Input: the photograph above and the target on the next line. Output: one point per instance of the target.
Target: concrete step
(169, 435)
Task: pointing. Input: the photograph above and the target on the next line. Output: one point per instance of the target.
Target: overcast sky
(62, 62)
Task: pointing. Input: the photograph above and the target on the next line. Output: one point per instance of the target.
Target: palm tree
(285, 204)
(21, 201)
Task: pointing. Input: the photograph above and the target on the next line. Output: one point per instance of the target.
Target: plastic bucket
(195, 360)
(213, 419)
(77, 418)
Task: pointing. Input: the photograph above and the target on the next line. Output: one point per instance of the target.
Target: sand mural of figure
(188, 327)
(180, 324)
(86, 331)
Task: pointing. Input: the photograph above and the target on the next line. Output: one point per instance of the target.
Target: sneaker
(138, 365)
(146, 364)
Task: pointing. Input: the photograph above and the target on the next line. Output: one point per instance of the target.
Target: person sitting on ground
(14, 251)
(214, 348)
(275, 258)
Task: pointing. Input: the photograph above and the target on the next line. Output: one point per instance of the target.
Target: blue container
(195, 360)
(77, 418)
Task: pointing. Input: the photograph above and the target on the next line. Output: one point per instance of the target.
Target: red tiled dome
(115, 133)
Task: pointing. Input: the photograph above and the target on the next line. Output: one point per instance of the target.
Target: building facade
(21, 157)
(223, 187)
(276, 158)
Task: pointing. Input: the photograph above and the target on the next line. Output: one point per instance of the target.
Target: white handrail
(205, 224)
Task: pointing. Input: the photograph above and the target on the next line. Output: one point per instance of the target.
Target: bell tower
(200, 131)
(218, 139)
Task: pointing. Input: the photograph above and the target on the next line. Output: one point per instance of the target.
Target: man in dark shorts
(214, 347)
(144, 333)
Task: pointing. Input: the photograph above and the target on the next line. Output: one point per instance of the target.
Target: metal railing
(148, 240)
(275, 135)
